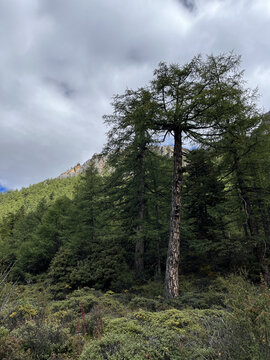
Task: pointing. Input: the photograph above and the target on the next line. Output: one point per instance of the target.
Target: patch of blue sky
(2, 189)
(169, 140)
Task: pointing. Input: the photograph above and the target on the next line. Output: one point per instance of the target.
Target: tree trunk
(139, 252)
(158, 265)
(172, 263)
(139, 246)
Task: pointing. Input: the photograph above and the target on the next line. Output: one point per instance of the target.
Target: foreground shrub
(161, 344)
(11, 346)
(245, 335)
(170, 335)
(148, 304)
(6, 288)
(89, 299)
(42, 340)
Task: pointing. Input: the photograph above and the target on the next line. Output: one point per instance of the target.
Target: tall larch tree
(190, 101)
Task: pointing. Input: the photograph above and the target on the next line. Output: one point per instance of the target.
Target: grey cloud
(62, 60)
(190, 4)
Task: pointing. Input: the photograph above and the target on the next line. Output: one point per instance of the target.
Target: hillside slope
(53, 189)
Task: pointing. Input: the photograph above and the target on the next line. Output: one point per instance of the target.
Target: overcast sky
(62, 60)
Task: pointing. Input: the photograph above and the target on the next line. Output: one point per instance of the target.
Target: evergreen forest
(158, 256)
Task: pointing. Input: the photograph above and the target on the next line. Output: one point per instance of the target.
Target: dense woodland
(202, 214)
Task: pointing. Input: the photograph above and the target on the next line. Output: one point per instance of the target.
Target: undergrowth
(225, 318)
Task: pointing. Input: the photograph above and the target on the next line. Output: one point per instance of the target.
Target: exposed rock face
(76, 170)
(165, 150)
(100, 162)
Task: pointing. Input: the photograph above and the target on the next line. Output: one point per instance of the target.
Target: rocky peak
(100, 161)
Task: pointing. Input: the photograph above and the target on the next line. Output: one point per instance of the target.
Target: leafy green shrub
(16, 314)
(90, 322)
(147, 304)
(159, 345)
(150, 290)
(11, 348)
(170, 334)
(6, 287)
(3, 332)
(245, 335)
(199, 300)
(88, 299)
(75, 303)
(42, 340)
(62, 317)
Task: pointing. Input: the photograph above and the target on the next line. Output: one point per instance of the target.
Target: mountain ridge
(99, 161)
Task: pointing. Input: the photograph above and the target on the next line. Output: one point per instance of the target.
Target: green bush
(11, 348)
(150, 290)
(3, 332)
(170, 334)
(161, 344)
(147, 304)
(89, 299)
(42, 340)
(199, 300)
(134, 326)
(245, 335)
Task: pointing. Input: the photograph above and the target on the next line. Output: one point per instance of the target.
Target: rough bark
(158, 265)
(172, 264)
(139, 246)
(139, 253)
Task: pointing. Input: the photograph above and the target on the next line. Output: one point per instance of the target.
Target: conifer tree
(244, 147)
(129, 143)
(204, 210)
(190, 102)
